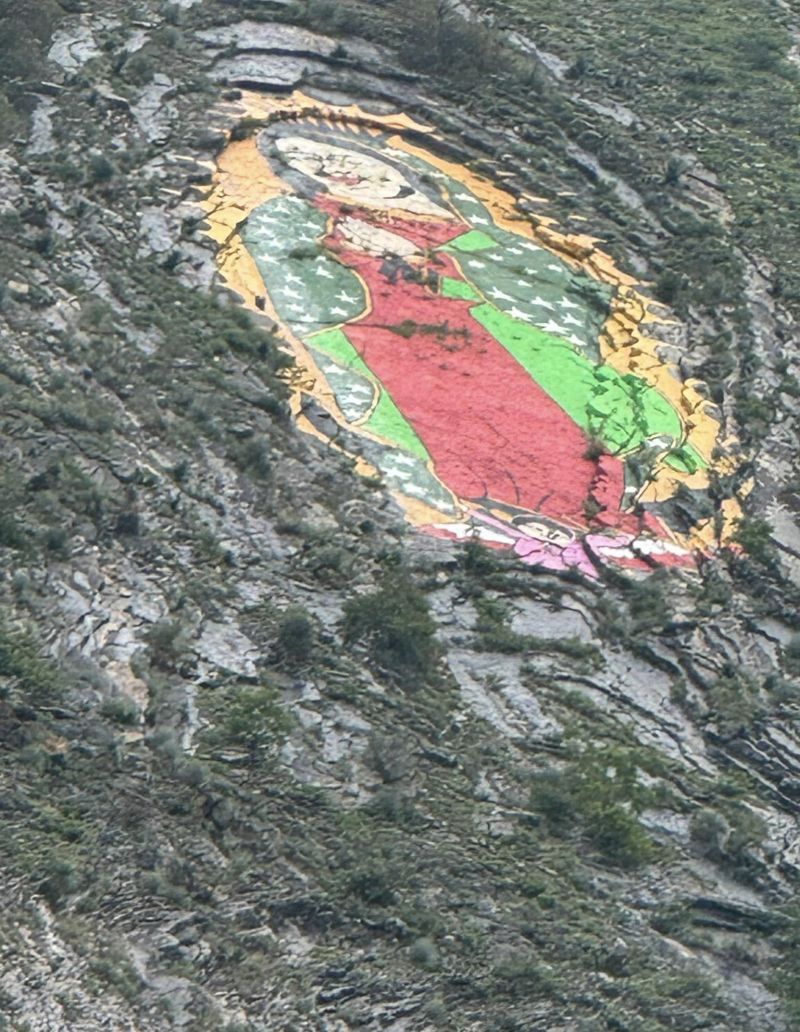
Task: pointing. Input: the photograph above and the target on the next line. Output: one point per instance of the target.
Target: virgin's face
(351, 175)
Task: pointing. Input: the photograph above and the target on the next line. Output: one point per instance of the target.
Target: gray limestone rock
(72, 48)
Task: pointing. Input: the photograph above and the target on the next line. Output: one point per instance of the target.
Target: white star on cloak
(555, 268)
(466, 197)
(291, 278)
(498, 294)
(475, 264)
(347, 298)
(339, 311)
(515, 313)
(514, 250)
(480, 221)
(574, 339)
(552, 327)
(320, 270)
(530, 247)
(570, 320)
(541, 303)
(566, 303)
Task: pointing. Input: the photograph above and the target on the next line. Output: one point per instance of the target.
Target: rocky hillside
(273, 759)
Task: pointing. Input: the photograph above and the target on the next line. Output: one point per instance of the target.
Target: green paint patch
(534, 285)
(474, 240)
(459, 289)
(309, 289)
(336, 344)
(623, 411)
(685, 460)
(386, 421)
(389, 423)
(355, 393)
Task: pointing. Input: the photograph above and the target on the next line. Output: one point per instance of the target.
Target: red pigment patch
(490, 429)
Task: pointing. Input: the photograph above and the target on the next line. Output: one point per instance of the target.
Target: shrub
(164, 641)
(674, 170)
(138, 69)
(618, 835)
(668, 286)
(648, 606)
(553, 797)
(406, 329)
(708, 830)
(295, 635)
(424, 954)
(734, 704)
(396, 626)
(21, 665)
(61, 879)
(113, 968)
(10, 121)
(753, 414)
(595, 449)
(390, 756)
(26, 29)
(11, 533)
(252, 457)
(599, 792)
(748, 830)
(591, 508)
(127, 524)
(521, 975)
(333, 16)
(493, 627)
(755, 537)
(392, 806)
(56, 541)
(246, 127)
(101, 170)
(762, 53)
(256, 721)
(372, 885)
(579, 68)
(442, 41)
(791, 654)
(478, 559)
(121, 710)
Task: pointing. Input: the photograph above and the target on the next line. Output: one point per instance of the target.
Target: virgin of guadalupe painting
(464, 357)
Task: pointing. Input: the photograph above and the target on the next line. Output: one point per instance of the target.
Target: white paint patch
(375, 241)
(360, 178)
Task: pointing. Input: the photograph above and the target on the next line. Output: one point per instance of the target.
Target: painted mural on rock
(498, 375)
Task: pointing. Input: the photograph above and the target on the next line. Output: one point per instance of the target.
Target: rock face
(270, 757)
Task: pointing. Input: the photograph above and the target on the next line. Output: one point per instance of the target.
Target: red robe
(492, 432)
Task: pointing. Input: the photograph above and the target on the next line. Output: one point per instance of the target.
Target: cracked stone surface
(202, 875)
